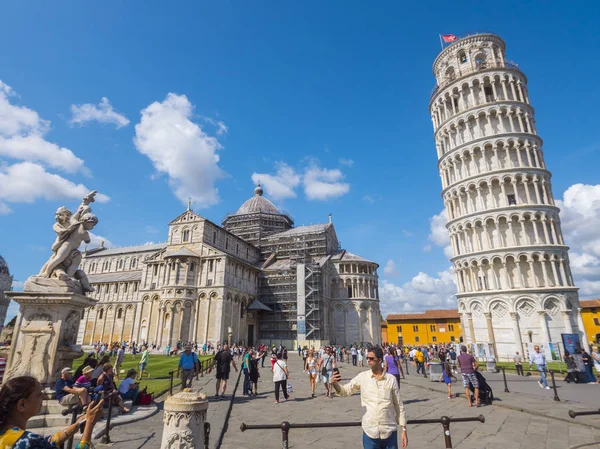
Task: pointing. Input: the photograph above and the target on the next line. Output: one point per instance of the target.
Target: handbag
(324, 369)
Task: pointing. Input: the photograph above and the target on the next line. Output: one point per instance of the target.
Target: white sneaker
(540, 384)
(547, 388)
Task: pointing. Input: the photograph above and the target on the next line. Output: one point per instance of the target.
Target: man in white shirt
(540, 362)
(380, 395)
(354, 355)
(412, 353)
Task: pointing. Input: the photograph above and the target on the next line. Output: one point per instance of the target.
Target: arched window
(133, 263)
(186, 235)
(480, 60)
(192, 267)
(119, 313)
(462, 56)
(450, 74)
(101, 314)
(121, 263)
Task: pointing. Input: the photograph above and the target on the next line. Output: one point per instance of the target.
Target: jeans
(354, 360)
(390, 442)
(542, 370)
(283, 385)
(131, 394)
(590, 373)
(421, 367)
(246, 381)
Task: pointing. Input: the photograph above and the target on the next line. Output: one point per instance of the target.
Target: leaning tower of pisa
(512, 266)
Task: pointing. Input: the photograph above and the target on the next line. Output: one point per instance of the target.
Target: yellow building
(590, 313)
(431, 327)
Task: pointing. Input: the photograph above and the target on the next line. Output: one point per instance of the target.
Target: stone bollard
(185, 414)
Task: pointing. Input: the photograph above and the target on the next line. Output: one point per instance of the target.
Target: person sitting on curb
(66, 393)
(20, 399)
(129, 388)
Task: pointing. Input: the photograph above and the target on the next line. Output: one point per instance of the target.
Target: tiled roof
(347, 256)
(590, 303)
(127, 250)
(427, 315)
(121, 276)
(310, 229)
(257, 305)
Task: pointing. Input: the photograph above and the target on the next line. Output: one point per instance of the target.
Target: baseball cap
(66, 371)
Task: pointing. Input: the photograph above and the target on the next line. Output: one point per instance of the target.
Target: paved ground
(526, 418)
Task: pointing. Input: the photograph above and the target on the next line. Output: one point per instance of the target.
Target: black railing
(285, 426)
(574, 414)
(74, 411)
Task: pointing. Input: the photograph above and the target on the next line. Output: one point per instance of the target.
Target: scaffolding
(253, 228)
(293, 284)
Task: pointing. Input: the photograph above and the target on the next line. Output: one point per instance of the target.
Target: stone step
(51, 415)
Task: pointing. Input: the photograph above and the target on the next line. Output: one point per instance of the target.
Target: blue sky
(326, 102)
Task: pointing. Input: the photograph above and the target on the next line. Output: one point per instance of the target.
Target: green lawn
(158, 367)
(552, 366)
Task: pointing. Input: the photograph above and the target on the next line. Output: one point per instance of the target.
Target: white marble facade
(512, 265)
(198, 286)
(6, 281)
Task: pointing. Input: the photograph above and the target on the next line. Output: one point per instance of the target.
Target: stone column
(567, 320)
(584, 339)
(517, 331)
(490, 330)
(183, 421)
(471, 327)
(544, 328)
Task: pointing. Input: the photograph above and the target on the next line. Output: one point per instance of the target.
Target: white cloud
(390, 268)
(35, 148)
(13, 308)
(348, 162)
(427, 248)
(319, 183)
(422, 292)
(323, 184)
(580, 219)
(180, 149)
(96, 241)
(103, 112)
(368, 199)
(438, 234)
(25, 182)
(282, 184)
(21, 137)
(222, 128)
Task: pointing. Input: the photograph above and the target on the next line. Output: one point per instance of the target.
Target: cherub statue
(71, 230)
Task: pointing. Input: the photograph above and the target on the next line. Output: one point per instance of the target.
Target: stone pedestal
(44, 339)
(185, 414)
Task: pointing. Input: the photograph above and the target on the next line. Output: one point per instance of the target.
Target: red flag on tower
(449, 37)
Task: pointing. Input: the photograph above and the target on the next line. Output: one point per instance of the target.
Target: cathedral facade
(256, 278)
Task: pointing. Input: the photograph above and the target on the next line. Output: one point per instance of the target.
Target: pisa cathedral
(256, 278)
(515, 285)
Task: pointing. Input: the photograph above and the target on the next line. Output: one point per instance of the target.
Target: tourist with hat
(68, 394)
(188, 363)
(85, 380)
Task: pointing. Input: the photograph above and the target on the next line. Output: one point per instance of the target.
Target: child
(447, 377)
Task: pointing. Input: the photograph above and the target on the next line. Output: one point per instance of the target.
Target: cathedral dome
(3, 266)
(257, 204)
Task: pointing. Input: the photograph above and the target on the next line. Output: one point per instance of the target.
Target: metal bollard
(504, 376)
(574, 414)
(171, 383)
(285, 429)
(425, 370)
(106, 436)
(406, 364)
(446, 425)
(202, 368)
(206, 434)
(556, 398)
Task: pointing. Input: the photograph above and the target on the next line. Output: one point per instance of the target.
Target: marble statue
(62, 269)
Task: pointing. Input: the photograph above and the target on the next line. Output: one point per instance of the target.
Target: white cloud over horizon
(390, 268)
(282, 184)
(102, 112)
(26, 156)
(319, 183)
(180, 149)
